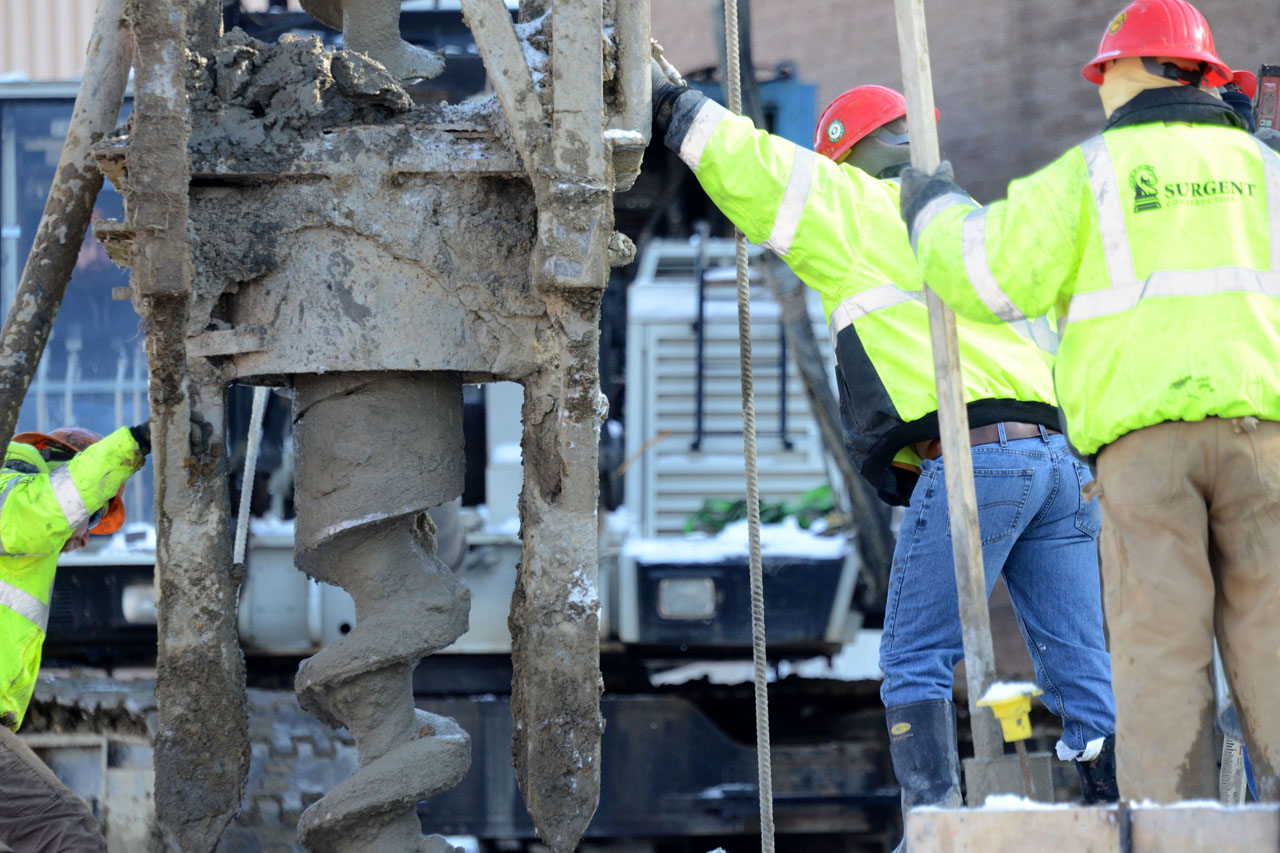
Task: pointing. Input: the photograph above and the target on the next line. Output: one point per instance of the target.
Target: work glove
(918, 188)
(1271, 136)
(665, 93)
(142, 435)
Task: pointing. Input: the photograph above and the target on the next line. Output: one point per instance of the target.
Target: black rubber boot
(1098, 777)
(922, 744)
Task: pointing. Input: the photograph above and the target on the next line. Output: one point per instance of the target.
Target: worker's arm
(40, 511)
(1011, 260)
(788, 198)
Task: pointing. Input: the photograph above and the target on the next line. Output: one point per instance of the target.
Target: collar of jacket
(1181, 103)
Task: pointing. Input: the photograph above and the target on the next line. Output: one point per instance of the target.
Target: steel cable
(758, 650)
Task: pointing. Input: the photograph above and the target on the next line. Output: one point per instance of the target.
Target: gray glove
(919, 188)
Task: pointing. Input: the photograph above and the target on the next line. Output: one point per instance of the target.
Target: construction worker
(1158, 241)
(55, 490)
(833, 219)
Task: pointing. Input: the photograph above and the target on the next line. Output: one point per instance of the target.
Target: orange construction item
(1247, 81)
(854, 115)
(1172, 28)
(76, 439)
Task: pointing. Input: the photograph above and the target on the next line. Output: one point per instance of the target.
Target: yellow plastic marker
(1011, 703)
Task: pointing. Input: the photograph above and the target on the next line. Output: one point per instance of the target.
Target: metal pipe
(133, 490)
(42, 416)
(122, 363)
(782, 387)
(72, 376)
(700, 234)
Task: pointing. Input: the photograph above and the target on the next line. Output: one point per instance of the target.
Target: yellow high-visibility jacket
(839, 230)
(1158, 242)
(40, 507)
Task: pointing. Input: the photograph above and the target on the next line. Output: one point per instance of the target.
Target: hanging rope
(763, 751)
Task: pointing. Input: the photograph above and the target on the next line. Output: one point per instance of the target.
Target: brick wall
(1006, 73)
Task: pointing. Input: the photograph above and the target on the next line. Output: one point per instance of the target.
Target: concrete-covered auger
(294, 220)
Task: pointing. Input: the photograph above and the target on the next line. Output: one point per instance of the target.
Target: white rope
(259, 409)
(758, 656)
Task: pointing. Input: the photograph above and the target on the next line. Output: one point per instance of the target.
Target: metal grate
(672, 479)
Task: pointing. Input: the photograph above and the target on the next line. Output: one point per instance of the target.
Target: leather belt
(989, 434)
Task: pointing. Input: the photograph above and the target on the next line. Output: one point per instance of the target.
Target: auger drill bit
(374, 452)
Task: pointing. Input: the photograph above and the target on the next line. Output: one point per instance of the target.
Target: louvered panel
(670, 481)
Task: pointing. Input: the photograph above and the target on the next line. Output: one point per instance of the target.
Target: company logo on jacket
(1150, 194)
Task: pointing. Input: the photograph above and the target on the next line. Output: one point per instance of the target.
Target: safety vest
(839, 230)
(38, 513)
(1159, 245)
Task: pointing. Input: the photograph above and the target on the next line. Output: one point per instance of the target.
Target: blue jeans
(1041, 534)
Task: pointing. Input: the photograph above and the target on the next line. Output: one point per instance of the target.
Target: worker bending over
(55, 490)
(837, 226)
(1159, 242)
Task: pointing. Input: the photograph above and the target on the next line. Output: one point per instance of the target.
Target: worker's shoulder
(1271, 136)
(25, 453)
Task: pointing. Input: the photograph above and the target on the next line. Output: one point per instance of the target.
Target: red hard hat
(76, 439)
(1247, 81)
(1171, 28)
(853, 115)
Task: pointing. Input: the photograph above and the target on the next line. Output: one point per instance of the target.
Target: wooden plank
(1088, 830)
(962, 503)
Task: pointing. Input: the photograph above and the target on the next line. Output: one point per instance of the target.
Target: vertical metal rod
(72, 374)
(42, 381)
(1025, 764)
(782, 386)
(122, 363)
(953, 417)
(700, 234)
(134, 488)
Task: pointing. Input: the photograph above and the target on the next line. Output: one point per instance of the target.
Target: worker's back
(1173, 312)
(844, 238)
(26, 581)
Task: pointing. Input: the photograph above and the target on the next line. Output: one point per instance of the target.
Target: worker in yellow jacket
(55, 490)
(832, 216)
(1158, 242)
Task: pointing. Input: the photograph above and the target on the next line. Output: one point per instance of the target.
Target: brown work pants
(37, 812)
(1191, 550)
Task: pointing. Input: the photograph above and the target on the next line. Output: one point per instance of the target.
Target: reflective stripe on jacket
(1159, 245)
(38, 514)
(839, 230)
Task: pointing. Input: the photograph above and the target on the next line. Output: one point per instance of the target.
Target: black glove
(919, 188)
(664, 96)
(142, 434)
(1239, 101)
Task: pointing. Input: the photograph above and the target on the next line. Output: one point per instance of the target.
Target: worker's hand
(665, 92)
(142, 435)
(920, 187)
